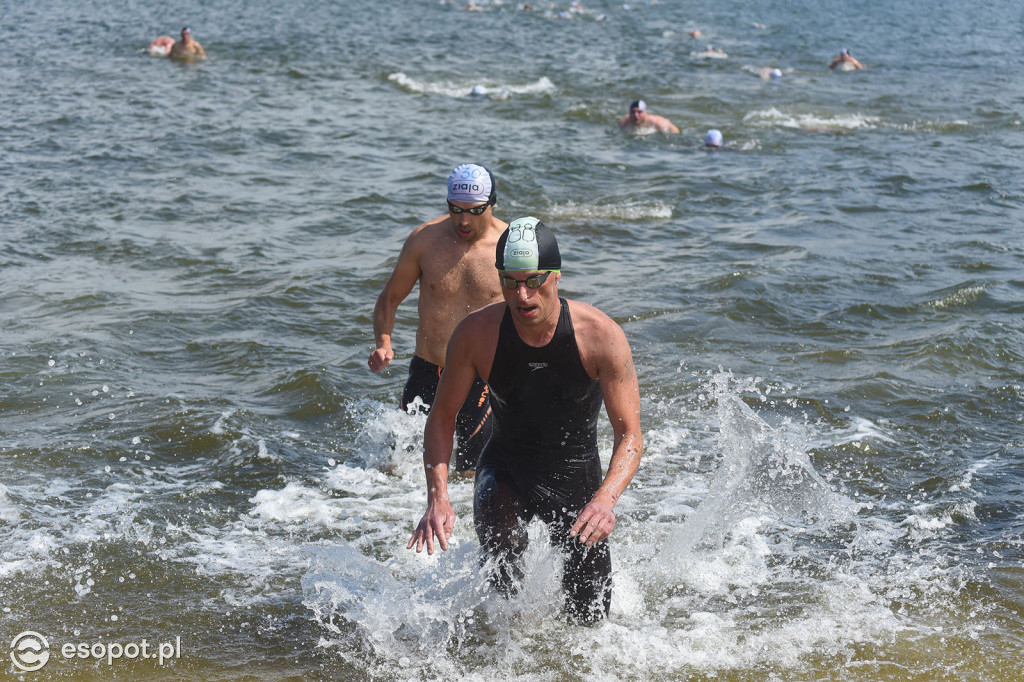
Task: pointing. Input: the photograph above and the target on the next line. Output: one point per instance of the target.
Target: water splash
(764, 472)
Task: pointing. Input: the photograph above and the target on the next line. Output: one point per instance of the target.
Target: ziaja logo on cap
(521, 252)
(466, 187)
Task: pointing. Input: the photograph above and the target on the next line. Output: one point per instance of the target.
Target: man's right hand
(439, 522)
(381, 358)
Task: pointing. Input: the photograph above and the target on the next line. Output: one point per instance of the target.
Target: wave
(460, 89)
(773, 117)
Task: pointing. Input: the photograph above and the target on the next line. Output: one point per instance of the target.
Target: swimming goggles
(472, 210)
(532, 282)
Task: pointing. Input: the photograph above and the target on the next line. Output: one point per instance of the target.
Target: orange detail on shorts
(481, 424)
(483, 396)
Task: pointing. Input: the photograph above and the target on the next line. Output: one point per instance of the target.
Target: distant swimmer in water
(478, 91)
(711, 52)
(695, 34)
(768, 73)
(450, 258)
(161, 46)
(713, 139)
(187, 48)
(550, 363)
(845, 62)
(639, 120)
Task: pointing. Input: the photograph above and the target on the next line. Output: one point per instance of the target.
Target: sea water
(825, 317)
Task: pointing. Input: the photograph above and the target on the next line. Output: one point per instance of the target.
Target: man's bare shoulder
(482, 319)
(596, 332)
(429, 234)
(476, 337)
(662, 124)
(431, 228)
(587, 316)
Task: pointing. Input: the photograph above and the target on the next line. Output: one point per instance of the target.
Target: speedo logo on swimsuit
(534, 366)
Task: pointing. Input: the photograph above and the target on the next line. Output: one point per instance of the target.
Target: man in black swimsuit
(550, 363)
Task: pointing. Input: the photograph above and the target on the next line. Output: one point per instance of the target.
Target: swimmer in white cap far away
(161, 46)
(845, 62)
(713, 139)
(639, 119)
(186, 48)
(451, 258)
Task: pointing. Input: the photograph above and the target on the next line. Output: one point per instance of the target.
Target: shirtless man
(550, 363)
(186, 48)
(450, 257)
(639, 119)
(845, 62)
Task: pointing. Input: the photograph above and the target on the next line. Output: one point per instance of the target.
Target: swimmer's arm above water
(621, 393)
(438, 435)
(403, 278)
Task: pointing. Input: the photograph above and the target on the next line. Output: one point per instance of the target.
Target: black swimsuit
(542, 460)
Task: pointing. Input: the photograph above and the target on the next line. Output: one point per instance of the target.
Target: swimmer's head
(638, 105)
(527, 245)
(713, 138)
(776, 73)
(478, 91)
(471, 183)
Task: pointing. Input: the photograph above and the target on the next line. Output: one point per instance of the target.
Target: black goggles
(472, 210)
(532, 282)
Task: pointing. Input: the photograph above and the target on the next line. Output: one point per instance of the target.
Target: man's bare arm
(452, 389)
(621, 393)
(403, 278)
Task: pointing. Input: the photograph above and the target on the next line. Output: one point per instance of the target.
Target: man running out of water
(450, 257)
(550, 363)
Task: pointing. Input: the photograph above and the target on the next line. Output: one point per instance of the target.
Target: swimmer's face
(531, 306)
(469, 227)
(186, 34)
(637, 116)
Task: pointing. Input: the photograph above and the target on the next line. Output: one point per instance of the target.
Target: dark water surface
(826, 317)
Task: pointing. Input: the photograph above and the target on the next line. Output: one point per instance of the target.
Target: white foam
(730, 551)
(860, 430)
(9, 511)
(541, 86)
(773, 117)
(621, 210)
(961, 298)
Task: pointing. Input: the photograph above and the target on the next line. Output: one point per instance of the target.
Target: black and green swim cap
(527, 245)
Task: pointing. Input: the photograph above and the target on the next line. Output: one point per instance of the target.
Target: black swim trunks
(542, 461)
(473, 424)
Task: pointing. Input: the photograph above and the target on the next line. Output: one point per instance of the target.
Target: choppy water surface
(826, 317)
